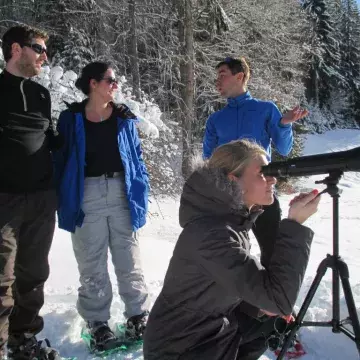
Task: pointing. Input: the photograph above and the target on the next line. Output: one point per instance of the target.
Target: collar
(245, 218)
(239, 100)
(12, 79)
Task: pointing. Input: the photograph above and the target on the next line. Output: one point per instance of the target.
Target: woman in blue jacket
(103, 187)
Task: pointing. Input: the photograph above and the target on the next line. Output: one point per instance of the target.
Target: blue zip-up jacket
(70, 167)
(247, 118)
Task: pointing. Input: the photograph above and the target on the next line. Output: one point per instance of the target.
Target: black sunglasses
(110, 80)
(37, 48)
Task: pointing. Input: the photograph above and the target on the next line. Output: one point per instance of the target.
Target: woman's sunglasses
(37, 48)
(110, 80)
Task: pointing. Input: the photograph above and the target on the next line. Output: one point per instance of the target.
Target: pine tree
(72, 33)
(186, 54)
(350, 55)
(133, 48)
(324, 74)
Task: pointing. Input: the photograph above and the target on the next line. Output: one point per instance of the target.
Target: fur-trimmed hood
(209, 192)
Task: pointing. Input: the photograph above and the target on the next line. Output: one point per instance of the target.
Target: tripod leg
(324, 265)
(344, 276)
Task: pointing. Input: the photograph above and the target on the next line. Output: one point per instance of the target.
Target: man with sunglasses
(27, 197)
(257, 120)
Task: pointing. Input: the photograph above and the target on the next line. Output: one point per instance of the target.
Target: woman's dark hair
(94, 70)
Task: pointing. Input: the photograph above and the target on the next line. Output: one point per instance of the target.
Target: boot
(102, 336)
(135, 326)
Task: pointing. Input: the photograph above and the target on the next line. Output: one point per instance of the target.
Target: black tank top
(102, 151)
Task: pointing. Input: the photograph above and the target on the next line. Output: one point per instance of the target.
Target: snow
(157, 239)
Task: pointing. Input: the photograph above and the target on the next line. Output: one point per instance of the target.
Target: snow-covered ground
(63, 325)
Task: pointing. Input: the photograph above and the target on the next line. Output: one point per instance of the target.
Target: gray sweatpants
(107, 225)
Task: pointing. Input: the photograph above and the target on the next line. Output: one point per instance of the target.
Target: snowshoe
(27, 347)
(128, 341)
(131, 332)
(99, 339)
(277, 339)
(294, 352)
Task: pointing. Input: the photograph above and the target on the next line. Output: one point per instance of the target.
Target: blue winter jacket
(70, 168)
(246, 117)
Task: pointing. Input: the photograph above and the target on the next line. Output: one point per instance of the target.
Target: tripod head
(331, 182)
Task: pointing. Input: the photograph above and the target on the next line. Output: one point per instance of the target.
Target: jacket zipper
(78, 158)
(237, 122)
(23, 94)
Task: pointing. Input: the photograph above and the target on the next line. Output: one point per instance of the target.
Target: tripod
(339, 271)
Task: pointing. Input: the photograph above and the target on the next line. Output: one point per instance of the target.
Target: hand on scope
(303, 206)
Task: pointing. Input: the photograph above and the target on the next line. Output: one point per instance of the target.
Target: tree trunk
(133, 50)
(186, 48)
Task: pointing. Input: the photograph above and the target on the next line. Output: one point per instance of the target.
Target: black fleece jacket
(27, 135)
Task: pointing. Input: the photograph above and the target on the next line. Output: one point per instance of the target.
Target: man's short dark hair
(236, 66)
(21, 34)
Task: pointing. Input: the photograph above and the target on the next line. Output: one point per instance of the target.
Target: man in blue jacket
(246, 117)
(261, 121)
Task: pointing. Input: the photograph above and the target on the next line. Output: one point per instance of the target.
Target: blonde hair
(235, 156)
